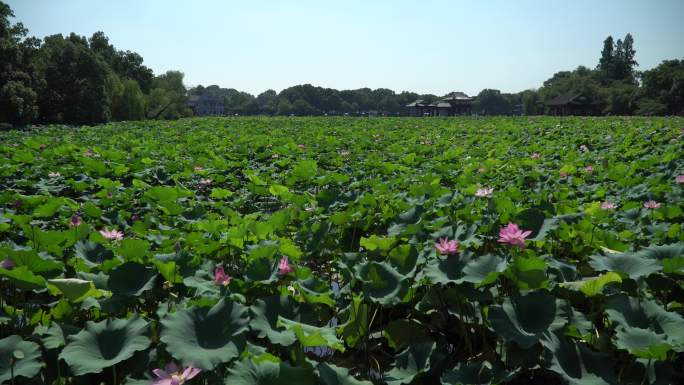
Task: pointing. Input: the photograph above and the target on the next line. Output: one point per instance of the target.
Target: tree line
(77, 80)
(614, 81)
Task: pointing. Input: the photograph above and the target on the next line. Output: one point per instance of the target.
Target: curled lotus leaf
(103, 344)
(206, 337)
(19, 358)
(526, 318)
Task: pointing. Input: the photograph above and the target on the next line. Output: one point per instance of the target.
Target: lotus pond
(344, 251)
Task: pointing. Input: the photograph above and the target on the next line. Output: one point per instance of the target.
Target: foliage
(356, 205)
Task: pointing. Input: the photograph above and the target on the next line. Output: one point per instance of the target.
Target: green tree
(620, 98)
(617, 60)
(75, 80)
(531, 103)
(662, 90)
(284, 107)
(607, 61)
(18, 78)
(268, 102)
(132, 102)
(241, 103)
(580, 81)
(302, 107)
(167, 98)
(125, 64)
(628, 53)
(492, 102)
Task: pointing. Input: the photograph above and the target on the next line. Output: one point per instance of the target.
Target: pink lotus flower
(205, 182)
(513, 235)
(446, 246)
(54, 174)
(112, 235)
(608, 206)
(300, 146)
(589, 169)
(535, 155)
(173, 375)
(75, 221)
(88, 153)
(198, 168)
(7, 264)
(679, 179)
(651, 204)
(220, 277)
(284, 266)
(484, 192)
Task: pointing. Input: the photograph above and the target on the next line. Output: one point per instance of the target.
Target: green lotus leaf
(304, 169)
(166, 194)
(643, 343)
(673, 265)
(483, 270)
(312, 336)
(49, 208)
(405, 258)
(525, 319)
(24, 279)
(93, 254)
(19, 358)
(38, 264)
(528, 273)
(576, 362)
(104, 344)
(248, 372)
(261, 270)
(593, 286)
(411, 362)
(577, 324)
(133, 249)
(628, 264)
(405, 332)
(206, 337)
(265, 314)
(533, 220)
(220, 193)
(476, 373)
(75, 289)
(56, 335)
(335, 375)
(313, 289)
(381, 283)
(354, 321)
(628, 312)
(377, 243)
(661, 252)
(447, 270)
(131, 279)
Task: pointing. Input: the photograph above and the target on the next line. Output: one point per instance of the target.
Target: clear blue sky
(427, 46)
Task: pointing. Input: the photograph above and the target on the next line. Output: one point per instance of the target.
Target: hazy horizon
(426, 47)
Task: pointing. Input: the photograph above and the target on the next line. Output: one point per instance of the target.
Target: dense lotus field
(344, 251)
